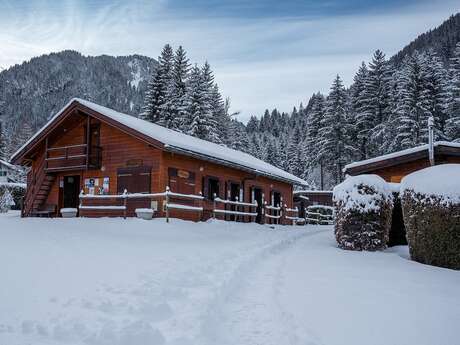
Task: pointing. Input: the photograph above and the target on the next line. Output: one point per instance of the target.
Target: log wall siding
(118, 148)
(224, 174)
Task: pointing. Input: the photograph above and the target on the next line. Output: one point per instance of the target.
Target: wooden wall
(121, 150)
(203, 169)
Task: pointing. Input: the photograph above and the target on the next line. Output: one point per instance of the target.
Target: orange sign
(183, 173)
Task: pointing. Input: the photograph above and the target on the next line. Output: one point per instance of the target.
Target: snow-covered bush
(364, 207)
(431, 209)
(17, 191)
(6, 201)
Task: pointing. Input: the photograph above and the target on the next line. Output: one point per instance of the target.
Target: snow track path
(248, 309)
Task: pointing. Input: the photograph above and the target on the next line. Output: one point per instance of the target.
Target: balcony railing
(73, 157)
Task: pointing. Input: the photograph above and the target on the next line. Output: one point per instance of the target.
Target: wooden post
(263, 208)
(214, 207)
(125, 203)
(88, 133)
(46, 153)
(81, 202)
(166, 204)
(201, 204)
(237, 208)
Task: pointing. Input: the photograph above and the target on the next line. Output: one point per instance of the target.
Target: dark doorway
(276, 199)
(71, 191)
(257, 196)
(234, 189)
(398, 230)
(276, 202)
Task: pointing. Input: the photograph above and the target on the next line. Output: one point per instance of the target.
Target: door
(257, 196)
(134, 180)
(71, 191)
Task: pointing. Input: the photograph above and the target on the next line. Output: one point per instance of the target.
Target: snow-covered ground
(114, 281)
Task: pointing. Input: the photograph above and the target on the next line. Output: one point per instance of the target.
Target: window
(181, 181)
(213, 188)
(2, 173)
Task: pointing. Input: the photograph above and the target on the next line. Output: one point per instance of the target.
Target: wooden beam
(88, 133)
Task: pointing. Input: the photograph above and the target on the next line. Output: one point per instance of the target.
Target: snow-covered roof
(401, 153)
(8, 165)
(180, 142)
(312, 192)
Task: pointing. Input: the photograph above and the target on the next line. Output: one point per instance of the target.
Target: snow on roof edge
(9, 165)
(131, 121)
(398, 154)
(313, 191)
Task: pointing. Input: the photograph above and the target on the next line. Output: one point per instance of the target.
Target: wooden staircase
(39, 187)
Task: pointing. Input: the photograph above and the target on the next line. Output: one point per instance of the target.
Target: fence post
(166, 204)
(214, 204)
(82, 193)
(263, 208)
(237, 209)
(125, 202)
(201, 204)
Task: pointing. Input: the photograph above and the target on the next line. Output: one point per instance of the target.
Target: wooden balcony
(73, 157)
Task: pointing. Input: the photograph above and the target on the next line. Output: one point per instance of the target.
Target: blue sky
(264, 53)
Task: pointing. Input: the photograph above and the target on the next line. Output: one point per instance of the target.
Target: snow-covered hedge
(17, 191)
(364, 206)
(431, 209)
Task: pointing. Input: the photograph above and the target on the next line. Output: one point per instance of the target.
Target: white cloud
(260, 63)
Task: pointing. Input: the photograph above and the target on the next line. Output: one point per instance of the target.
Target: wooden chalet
(394, 166)
(88, 156)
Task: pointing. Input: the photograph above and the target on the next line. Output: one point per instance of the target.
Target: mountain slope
(31, 92)
(442, 39)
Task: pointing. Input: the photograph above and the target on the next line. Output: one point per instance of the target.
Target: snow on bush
(17, 191)
(364, 206)
(431, 209)
(6, 201)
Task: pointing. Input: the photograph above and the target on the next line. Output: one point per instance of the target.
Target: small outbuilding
(394, 166)
(7, 171)
(306, 198)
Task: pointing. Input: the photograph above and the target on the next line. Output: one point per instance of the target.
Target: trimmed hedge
(431, 210)
(433, 229)
(364, 210)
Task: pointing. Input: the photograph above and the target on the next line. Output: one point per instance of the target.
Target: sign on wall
(97, 185)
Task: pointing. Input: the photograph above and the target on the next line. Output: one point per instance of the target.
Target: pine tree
(174, 111)
(453, 104)
(294, 152)
(377, 104)
(271, 153)
(239, 137)
(362, 110)
(333, 134)
(155, 97)
(413, 106)
(2, 143)
(435, 91)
